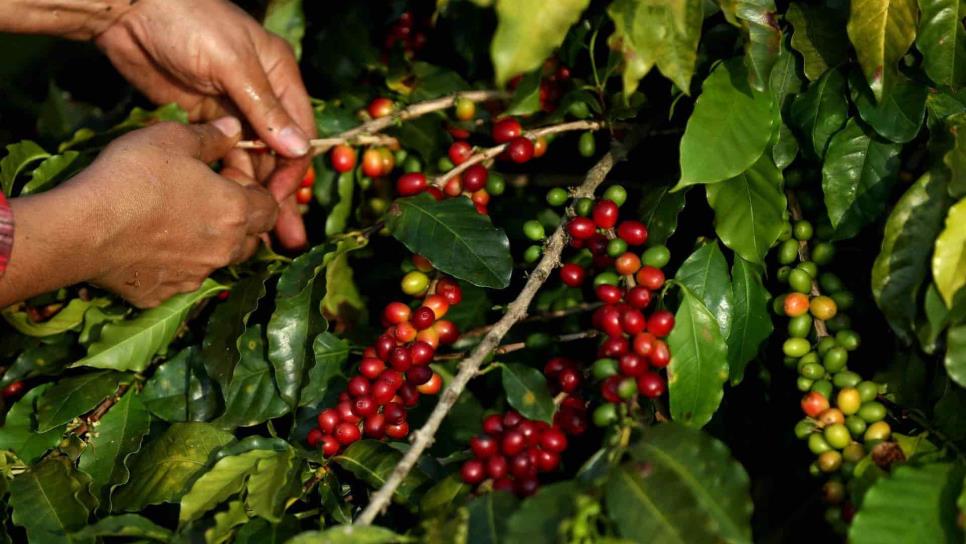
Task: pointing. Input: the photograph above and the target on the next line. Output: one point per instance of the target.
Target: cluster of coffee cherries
(394, 371)
(512, 452)
(304, 193)
(407, 32)
(553, 79)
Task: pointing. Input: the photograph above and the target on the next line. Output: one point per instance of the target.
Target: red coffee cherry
(547, 461)
(394, 413)
(343, 158)
(474, 178)
(644, 344)
(364, 407)
(330, 446)
(651, 384)
(553, 440)
(605, 214)
(397, 432)
(520, 150)
(493, 424)
(638, 297)
(328, 419)
(632, 364)
(661, 356)
(581, 228)
(525, 487)
(371, 367)
(418, 375)
(614, 346)
(609, 294)
(497, 467)
(396, 313)
(650, 277)
(375, 426)
(421, 353)
(380, 107)
(506, 129)
(483, 446)
(347, 433)
(472, 472)
(513, 443)
(660, 323)
(314, 438)
(450, 290)
(569, 380)
(632, 232)
(448, 333)
(423, 318)
(358, 386)
(572, 275)
(410, 184)
(459, 152)
(633, 321)
(511, 419)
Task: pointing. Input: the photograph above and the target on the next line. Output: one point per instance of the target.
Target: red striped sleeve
(6, 233)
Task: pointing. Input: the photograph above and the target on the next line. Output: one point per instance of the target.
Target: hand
(148, 219)
(213, 59)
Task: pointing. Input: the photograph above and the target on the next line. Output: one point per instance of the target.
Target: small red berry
(382, 392)
(373, 163)
(396, 313)
(375, 426)
(14, 388)
(483, 446)
(394, 413)
(405, 332)
(572, 274)
(511, 419)
(358, 386)
(493, 424)
(660, 323)
(605, 214)
(346, 415)
(347, 433)
(472, 472)
(633, 321)
(384, 345)
(330, 446)
(608, 389)
(438, 304)
(644, 344)
(553, 440)
(380, 107)
(632, 364)
(581, 228)
(520, 149)
(423, 318)
(474, 178)
(303, 195)
(450, 290)
(371, 367)
(397, 432)
(526, 487)
(632, 232)
(314, 438)
(418, 375)
(421, 353)
(521, 466)
(547, 461)
(343, 158)
(497, 467)
(614, 346)
(638, 297)
(609, 321)
(506, 129)
(400, 359)
(364, 406)
(408, 395)
(459, 151)
(651, 384)
(513, 443)
(609, 294)
(661, 355)
(650, 277)
(410, 184)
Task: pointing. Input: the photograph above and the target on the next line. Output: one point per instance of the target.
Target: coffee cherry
(547, 461)
(615, 346)
(633, 321)
(374, 426)
(525, 487)
(465, 108)
(400, 359)
(872, 412)
(632, 232)
(330, 446)
(419, 375)
(823, 253)
(303, 195)
(347, 433)
(802, 231)
(877, 432)
(639, 297)
(364, 406)
(660, 323)
(830, 461)
(408, 395)
(423, 318)
(371, 367)
(380, 107)
(472, 472)
(800, 281)
(396, 313)
(483, 446)
(605, 415)
(314, 438)
(616, 194)
(605, 214)
(493, 424)
(495, 184)
(372, 163)
(414, 283)
(343, 158)
(511, 419)
(506, 129)
(586, 145)
(410, 184)
(608, 319)
(432, 386)
(394, 413)
(657, 256)
(459, 152)
(632, 364)
(823, 308)
(421, 353)
(397, 432)
(450, 290)
(605, 278)
(796, 347)
(540, 146)
(448, 333)
(608, 294)
(438, 304)
(579, 109)
(651, 384)
(497, 467)
(533, 230)
(838, 436)
(358, 386)
(520, 149)
(522, 467)
(650, 277)
(796, 304)
(557, 197)
(629, 263)
(383, 391)
(422, 264)
(788, 252)
(814, 404)
(328, 419)
(660, 356)
(572, 275)
(569, 380)
(832, 416)
(513, 443)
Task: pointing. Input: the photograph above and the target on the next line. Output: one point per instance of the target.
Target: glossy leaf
(489, 514)
(224, 479)
(373, 462)
(526, 391)
(69, 317)
(19, 156)
(50, 172)
(681, 486)
(750, 210)
(705, 274)
(342, 303)
(18, 432)
(285, 18)
(819, 36)
(913, 504)
(272, 485)
(443, 496)
(903, 260)
(659, 210)
(47, 502)
(952, 135)
(661, 33)
(225, 522)
(729, 129)
(955, 358)
(784, 84)
(526, 97)
(942, 41)
(338, 216)
(949, 255)
(130, 344)
(72, 397)
(899, 115)
(252, 397)
(119, 435)
(347, 534)
(180, 391)
(168, 463)
(454, 237)
(539, 518)
(331, 354)
(763, 38)
(821, 111)
(125, 525)
(219, 348)
(752, 321)
(699, 363)
(858, 175)
(260, 531)
(528, 31)
(881, 32)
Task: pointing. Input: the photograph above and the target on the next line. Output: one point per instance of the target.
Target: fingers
(215, 139)
(289, 226)
(261, 210)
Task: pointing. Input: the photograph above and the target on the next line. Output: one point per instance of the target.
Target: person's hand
(213, 59)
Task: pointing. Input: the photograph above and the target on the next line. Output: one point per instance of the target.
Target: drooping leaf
(69, 317)
(347, 534)
(443, 496)
(526, 97)
(125, 525)
(528, 31)
(903, 260)
(858, 175)
(661, 33)
(252, 397)
(166, 464)
(659, 209)
(227, 323)
(342, 302)
(681, 486)
(331, 354)
(821, 111)
(538, 518)
(18, 432)
(784, 84)
(260, 531)
(489, 514)
(763, 38)
(899, 115)
(19, 156)
(285, 18)
(729, 129)
(338, 216)
(526, 390)
(454, 237)
(47, 501)
(271, 485)
(949, 255)
(372, 462)
(752, 321)
(818, 36)
(74, 396)
(699, 363)
(750, 210)
(705, 274)
(942, 41)
(119, 435)
(130, 344)
(180, 391)
(224, 479)
(881, 32)
(225, 522)
(53, 170)
(913, 504)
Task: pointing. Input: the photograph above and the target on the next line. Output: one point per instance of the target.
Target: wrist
(73, 19)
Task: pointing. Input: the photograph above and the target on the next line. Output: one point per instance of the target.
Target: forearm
(75, 19)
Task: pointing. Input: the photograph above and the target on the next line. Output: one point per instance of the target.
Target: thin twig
(545, 316)
(321, 145)
(471, 365)
(517, 346)
(821, 330)
(98, 412)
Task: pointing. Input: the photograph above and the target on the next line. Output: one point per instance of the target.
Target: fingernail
(294, 141)
(229, 126)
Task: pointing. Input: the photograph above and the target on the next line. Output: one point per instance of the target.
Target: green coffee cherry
(400, 156)
(810, 268)
(856, 425)
(800, 281)
(627, 388)
(786, 232)
(783, 273)
(868, 391)
(804, 428)
(788, 251)
(872, 411)
(616, 247)
(840, 322)
(364, 182)
(539, 341)
(848, 339)
(846, 378)
(830, 283)
(800, 326)
(804, 384)
(495, 184)
(609, 278)
(778, 305)
(817, 443)
(532, 254)
(835, 359)
(810, 357)
(444, 164)
(605, 414)
(796, 347)
(557, 197)
(604, 368)
(803, 230)
(412, 164)
(617, 194)
(584, 206)
(657, 256)
(825, 344)
(853, 453)
(812, 371)
(843, 299)
(579, 109)
(533, 230)
(837, 436)
(587, 145)
(824, 387)
(823, 253)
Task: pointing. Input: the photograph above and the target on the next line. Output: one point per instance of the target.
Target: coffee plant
(609, 271)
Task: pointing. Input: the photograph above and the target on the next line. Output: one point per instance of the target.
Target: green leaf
(454, 237)
(682, 486)
(271, 485)
(749, 210)
(899, 115)
(705, 274)
(659, 210)
(942, 41)
(225, 523)
(881, 32)
(119, 435)
(342, 301)
(699, 363)
(526, 97)
(339, 214)
(661, 33)
(955, 157)
(903, 260)
(46, 501)
(819, 37)
(50, 172)
(949, 255)
(913, 504)
(131, 344)
(763, 38)
(752, 321)
(252, 397)
(373, 462)
(821, 111)
(331, 354)
(526, 391)
(285, 18)
(19, 156)
(227, 323)
(18, 434)
(443, 496)
(69, 317)
(858, 175)
(433, 81)
(538, 518)
(347, 534)
(180, 391)
(224, 479)
(166, 465)
(125, 525)
(528, 31)
(729, 129)
(72, 397)
(956, 354)
(489, 514)
(260, 531)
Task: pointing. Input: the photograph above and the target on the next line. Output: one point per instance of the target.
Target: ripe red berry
(405, 332)
(650, 277)
(506, 129)
(497, 467)
(347, 433)
(408, 395)
(421, 353)
(511, 419)
(364, 406)
(632, 364)
(380, 107)
(513, 443)
(397, 432)
(520, 149)
(526, 487)
(638, 297)
(343, 158)
(382, 392)
(660, 323)
(633, 321)
(608, 319)
(438, 304)
(493, 424)
(12, 389)
(330, 446)
(529, 431)
(450, 290)
(605, 214)
(384, 345)
(608, 389)
(644, 344)
(521, 466)
(614, 346)
(609, 294)
(418, 375)
(346, 415)
(554, 366)
(314, 438)
(660, 356)
(581, 228)
(394, 413)
(303, 195)
(572, 274)
(459, 151)
(358, 386)
(374, 426)
(394, 378)
(597, 244)
(423, 318)
(373, 163)
(400, 359)
(632, 232)
(371, 367)
(547, 461)
(396, 313)
(553, 440)
(569, 380)
(472, 472)
(651, 384)
(435, 192)
(474, 178)
(483, 446)
(410, 184)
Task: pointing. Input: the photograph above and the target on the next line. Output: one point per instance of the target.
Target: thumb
(215, 139)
